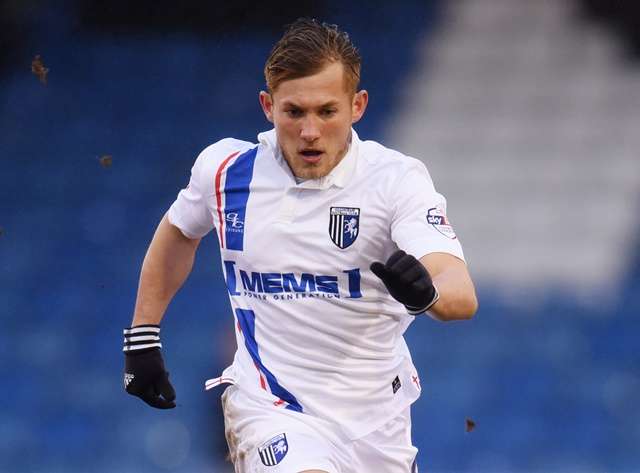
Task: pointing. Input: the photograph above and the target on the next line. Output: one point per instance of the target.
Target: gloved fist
(144, 372)
(408, 282)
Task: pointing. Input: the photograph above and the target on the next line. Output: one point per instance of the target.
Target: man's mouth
(311, 155)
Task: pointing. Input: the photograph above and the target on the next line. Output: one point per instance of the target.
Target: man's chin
(304, 170)
(311, 174)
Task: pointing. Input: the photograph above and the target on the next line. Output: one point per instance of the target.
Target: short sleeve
(190, 212)
(419, 223)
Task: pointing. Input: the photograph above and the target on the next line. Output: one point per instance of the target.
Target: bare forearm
(166, 266)
(457, 298)
(457, 294)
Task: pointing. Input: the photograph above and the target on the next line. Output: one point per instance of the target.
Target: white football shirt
(317, 331)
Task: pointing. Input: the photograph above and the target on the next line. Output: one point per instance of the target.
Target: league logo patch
(437, 217)
(274, 450)
(344, 225)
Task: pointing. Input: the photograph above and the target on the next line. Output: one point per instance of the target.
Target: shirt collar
(339, 176)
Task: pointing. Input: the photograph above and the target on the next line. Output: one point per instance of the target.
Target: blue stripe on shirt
(246, 319)
(236, 191)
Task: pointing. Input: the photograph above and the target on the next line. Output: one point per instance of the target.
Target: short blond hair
(306, 47)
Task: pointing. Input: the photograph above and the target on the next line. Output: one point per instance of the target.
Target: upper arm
(419, 223)
(192, 211)
(172, 233)
(420, 227)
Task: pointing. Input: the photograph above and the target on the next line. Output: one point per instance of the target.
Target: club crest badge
(344, 225)
(274, 450)
(437, 217)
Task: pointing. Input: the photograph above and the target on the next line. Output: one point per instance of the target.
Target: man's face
(313, 117)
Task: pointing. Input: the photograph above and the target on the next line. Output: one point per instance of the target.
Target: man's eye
(294, 113)
(328, 112)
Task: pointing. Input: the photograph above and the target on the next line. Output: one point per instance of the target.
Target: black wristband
(141, 338)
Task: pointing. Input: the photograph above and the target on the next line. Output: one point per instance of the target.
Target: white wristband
(141, 337)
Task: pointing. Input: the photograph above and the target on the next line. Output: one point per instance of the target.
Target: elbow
(469, 308)
(465, 310)
(461, 309)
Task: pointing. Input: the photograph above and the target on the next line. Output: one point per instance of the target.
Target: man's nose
(310, 130)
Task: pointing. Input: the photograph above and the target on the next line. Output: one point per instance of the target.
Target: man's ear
(359, 105)
(267, 105)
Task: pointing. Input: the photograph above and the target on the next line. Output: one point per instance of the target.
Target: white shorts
(266, 439)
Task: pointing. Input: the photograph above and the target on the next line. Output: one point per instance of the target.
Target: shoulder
(211, 160)
(393, 164)
(214, 155)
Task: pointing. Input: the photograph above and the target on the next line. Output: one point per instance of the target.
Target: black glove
(408, 282)
(144, 372)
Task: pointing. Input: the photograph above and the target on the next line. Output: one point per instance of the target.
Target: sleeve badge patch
(437, 217)
(273, 450)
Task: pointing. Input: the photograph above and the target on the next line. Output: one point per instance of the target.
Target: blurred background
(527, 113)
